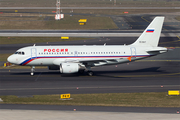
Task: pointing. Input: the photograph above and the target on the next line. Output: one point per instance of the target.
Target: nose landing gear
(32, 70)
(89, 71)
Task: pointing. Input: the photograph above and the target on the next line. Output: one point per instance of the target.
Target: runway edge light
(173, 92)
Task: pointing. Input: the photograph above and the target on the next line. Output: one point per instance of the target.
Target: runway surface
(155, 74)
(81, 115)
(90, 108)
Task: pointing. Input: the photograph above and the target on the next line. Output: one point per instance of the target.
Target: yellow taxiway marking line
(178, 37)
(170, 42)
(145, 19)
(172, 47)
(149, 21)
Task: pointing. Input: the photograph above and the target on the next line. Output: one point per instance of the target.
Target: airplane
(74, 59)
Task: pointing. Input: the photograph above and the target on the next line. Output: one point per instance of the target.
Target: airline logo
(56, 50)
(151, 30)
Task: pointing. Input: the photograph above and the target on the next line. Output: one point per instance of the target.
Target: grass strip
(47, 40)
(3, 57)
(49, 22)
(149, 99)
(178, 18)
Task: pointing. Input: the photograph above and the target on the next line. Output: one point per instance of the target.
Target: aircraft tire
(32, 74)
(90, 73)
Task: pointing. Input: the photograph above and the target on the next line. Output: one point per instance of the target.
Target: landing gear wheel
(32, 70)
(90, 73)
(32, 74)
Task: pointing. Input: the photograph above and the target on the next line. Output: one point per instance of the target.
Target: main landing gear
(32, 70)
(89, 71)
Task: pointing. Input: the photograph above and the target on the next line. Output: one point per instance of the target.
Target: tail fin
(150, 36)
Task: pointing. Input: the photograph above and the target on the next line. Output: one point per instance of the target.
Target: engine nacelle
(54, 67)
(69, 67)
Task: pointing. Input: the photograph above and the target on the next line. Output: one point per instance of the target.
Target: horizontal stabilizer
(157, 49)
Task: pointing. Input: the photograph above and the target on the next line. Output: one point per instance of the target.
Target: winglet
(129, 58)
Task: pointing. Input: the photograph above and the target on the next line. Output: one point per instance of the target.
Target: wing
(92, 62)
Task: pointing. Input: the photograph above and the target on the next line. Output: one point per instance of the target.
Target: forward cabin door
(33, 53)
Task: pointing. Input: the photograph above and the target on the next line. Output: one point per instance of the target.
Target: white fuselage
(55, 55)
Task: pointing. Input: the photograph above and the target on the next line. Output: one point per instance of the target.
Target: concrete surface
(79, 115)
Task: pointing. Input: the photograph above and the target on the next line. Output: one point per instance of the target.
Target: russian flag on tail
(150, 30)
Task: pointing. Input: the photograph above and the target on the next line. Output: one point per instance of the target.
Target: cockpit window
(19, 53)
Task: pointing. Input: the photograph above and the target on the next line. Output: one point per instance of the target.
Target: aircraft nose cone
(10, 59)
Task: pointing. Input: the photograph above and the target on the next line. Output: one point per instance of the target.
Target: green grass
(33, 40)
(153, 99)
(178, 18)
(3, 57)
(69, 22)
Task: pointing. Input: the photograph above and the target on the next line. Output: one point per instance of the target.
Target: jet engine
(69, 67)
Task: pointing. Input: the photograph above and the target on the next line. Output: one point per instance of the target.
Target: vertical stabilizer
(150, 36)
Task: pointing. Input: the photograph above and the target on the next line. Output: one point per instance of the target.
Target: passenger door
(33, 53)
(133, 52)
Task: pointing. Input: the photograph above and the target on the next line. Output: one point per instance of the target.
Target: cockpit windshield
(19, 53)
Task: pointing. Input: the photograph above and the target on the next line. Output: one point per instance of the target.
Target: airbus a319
(73, 59)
